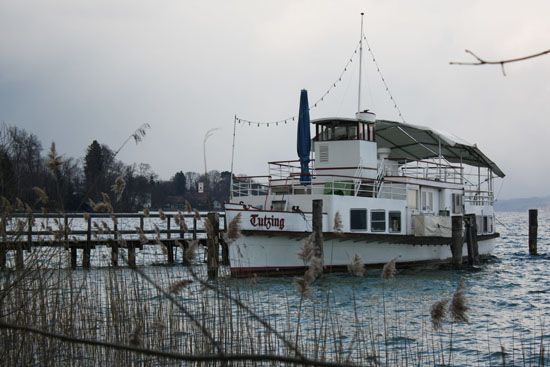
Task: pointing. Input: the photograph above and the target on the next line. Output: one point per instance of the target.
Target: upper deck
(379, 159)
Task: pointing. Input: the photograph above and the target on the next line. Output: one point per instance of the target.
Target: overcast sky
(73, 71)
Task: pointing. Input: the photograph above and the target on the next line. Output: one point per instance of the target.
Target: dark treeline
(72, 182)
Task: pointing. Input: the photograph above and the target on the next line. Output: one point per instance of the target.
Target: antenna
(360, 65)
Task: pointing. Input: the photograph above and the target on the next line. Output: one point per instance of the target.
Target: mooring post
(471, 239)
(533, 228)
(475, 246)
(131, 255)
(225, 246)
(114, 245)
(457, 241)
(317, 219)
(213, 245)
(87, 246)
(66, 230)
(73, 257)
(29, 232)
(169, 244)
(3, 252)
(194, 228)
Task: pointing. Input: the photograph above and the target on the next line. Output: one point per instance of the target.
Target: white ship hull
(255, 254)
(273, 248)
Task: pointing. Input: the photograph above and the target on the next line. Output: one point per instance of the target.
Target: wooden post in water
(114, 245)
(169, 244)
(213, 245)
(225, 245)
(457, 240)
(533, 228)
(194, 228)
(475, 247)
(317, 219)
(87, 246)
(3, 252)
(471, 238)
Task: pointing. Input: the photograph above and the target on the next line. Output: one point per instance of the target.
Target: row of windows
(358, 220)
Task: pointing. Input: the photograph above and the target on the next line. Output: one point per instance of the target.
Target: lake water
(507, 297)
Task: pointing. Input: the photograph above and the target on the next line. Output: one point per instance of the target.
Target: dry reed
(458, 307)
(357, 267)
(389, 270)
(438, 313)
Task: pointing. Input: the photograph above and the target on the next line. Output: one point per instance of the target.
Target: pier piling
(213, 245)
(73, 257)
(470, 226)
(533, 229)
(131, 256)
(87, 246)
(317, 213)
(457, 241)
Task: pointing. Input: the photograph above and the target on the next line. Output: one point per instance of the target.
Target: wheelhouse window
(344, 130)
(395, 222)
(378, 220)
(358, 219)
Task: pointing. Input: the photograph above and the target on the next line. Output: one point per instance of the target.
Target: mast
(360, 65)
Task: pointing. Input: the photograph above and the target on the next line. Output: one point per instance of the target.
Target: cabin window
(491, 225)
(278, 205)
(378, 221)
(457, 203)
(412, 199)
(395, 222)
(358, 219)
(427, 201)
(485, 224)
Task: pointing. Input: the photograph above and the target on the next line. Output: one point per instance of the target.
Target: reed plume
(197, 215)
(178, 286)
(234, 228)
(19, 206)
(188, 207)
(135, 336)
(306, 252)
(143, 239)
(389, 270)
(458, 306)
(191, 251)
(357, 267)
(162, 216)
(86, 216)
(338, 226)
(314, 270)
(438, 313)
(118, 187)
(54, 161)
(303, 287)
(42, 196)
(145, 212)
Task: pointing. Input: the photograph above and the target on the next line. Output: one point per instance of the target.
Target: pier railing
(86, 231)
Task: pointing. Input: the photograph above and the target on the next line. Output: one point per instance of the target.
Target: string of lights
(383, 80)
(315, 105)
(332, 86)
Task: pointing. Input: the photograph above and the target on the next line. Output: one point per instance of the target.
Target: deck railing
(321, 184)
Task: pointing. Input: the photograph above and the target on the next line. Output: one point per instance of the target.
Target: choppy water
(508, 299)
(507, 296)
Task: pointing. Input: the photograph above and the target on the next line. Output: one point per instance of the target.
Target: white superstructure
(394, 186)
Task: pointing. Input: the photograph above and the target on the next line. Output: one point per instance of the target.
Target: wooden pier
(86, 231)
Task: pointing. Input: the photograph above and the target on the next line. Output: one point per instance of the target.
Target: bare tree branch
(481, 61)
